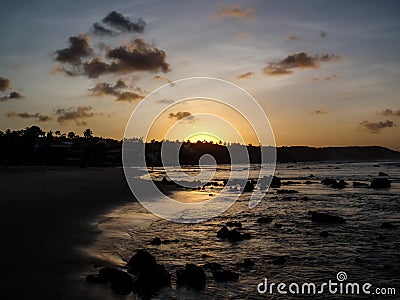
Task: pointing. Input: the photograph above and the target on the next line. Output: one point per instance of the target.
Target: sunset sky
(326, 73)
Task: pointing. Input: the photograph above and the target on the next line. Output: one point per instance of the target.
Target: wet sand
(47, 214)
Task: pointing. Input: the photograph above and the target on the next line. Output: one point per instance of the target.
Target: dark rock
(121, 282)
(192, 276)
(305, 198)
(225, 275)
(249, 187)
(388, 225)
(246, 236)
(234, 224)
(156, 241)
(360, 184)
(328, 181)
(213, 266)
(248, 262)
(382, 174)
(140, 261)
(152, 278)
(380, 183)
(278, 225)
(326, 218)
(232, 235)
(223, 232)
(339, 185)
(287, 191)
(276, 182)
(95, 278)
(307, 182)
(324, 234)
(279, 261)
(264, 220)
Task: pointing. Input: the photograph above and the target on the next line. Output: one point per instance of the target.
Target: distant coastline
(32, 146)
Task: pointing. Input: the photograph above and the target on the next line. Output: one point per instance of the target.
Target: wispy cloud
(245, 75)
(390, 113)
(79, 115)
(11, 96)
(235, 11)
(327, 78)
(165, 101)
(293, 37)
(162, 78)
(319, 112)
(38, 116)
(376, 127)
(300, 60)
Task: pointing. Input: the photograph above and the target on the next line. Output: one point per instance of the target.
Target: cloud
(165, 101)
(245, 75)
(319, 112)
(300, 60)
(106, 89)
(181, 115)
(118, 21)
(137, 56)
(12, 95)
(101, 30)
(78, 115)
(39, 117)
(323, 34)
(376, 127)
(293, 37)
(79, 48)
(390, 113)
(162, 78)
(327, 78)
(235, 11)
(5, 84)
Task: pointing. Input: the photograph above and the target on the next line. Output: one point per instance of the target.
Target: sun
(204, 136)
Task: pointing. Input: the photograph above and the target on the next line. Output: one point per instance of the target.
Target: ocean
(359, 247)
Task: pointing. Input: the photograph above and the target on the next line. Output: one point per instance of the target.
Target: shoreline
(46, 217)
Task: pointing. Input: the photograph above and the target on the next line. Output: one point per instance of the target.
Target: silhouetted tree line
(33, 146)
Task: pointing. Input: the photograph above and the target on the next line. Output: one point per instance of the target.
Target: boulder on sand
(121, 282)
(151, 276)
(326, 218)
(140, 261)
(360, 184)
(192, 276)
(383, 174)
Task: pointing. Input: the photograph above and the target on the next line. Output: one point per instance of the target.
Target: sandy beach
(46, 217)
